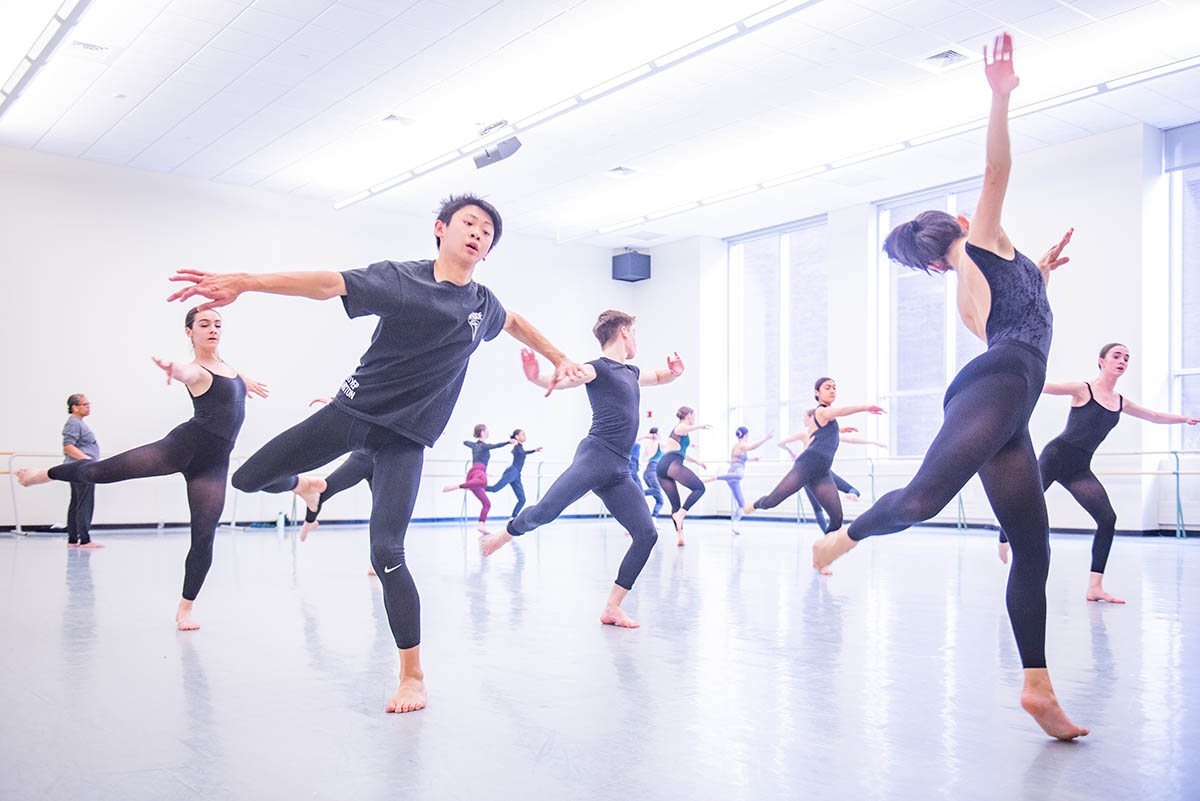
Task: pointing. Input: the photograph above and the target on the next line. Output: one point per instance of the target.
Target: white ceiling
(289, 96)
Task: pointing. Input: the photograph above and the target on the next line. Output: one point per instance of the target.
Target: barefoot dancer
(737, 471)
(672, 471)
(811, 468)
(601, 463)
(843, 486)
(199, 448)
(512, 473)
(650, 474)
(1002, 300)
(1067, 458)
(476, 481)
(432, 317)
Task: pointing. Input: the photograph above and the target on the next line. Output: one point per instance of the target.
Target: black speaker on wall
(631, 266)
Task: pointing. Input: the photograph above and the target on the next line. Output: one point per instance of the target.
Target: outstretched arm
(549, 381)
(1076, 389)
(661, 376)
(255, 387)
(184, 372)
(759, 444)
(826, 413)
(224, 288)
(564, 369)
(686, 429)
(703, 466)
(857, 441)
(985, 230)
(1143, 413)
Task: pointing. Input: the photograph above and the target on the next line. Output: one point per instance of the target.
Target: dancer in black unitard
(1002, 300)
(432, 316)
(601, 463)
(1067, 458)
(199, 448)
(512, 474)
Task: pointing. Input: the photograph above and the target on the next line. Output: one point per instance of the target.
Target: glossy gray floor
(752, 676)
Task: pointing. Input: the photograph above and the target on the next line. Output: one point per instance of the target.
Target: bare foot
(309, 488)
(183, 616)
(450, 488)
(306, 528)
(409, 697)
(481, 528)
(72, 544)
(493, 542)
(748, 509)
(94, 545)
(824, 571)
(615, 616)
(830, 547)
(1038, 699)
(1002, 549)
(27, 476)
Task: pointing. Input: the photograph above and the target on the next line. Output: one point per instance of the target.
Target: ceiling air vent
(945, 60)
(89, 47)
(484, 130)
(620, 172)
(396, 119)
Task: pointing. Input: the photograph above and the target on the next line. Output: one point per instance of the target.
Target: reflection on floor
(752, 677)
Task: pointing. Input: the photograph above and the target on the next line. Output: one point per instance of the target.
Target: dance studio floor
(752, 677)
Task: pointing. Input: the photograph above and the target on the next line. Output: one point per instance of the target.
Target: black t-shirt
(518, 454)
(614, 395)
(479, 450)
(410, 377)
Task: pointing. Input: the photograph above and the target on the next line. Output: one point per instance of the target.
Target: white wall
(87, 249)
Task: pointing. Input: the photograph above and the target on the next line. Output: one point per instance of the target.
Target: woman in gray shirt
(79, 443)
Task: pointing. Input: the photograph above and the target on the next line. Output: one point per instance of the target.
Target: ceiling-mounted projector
(497, 152)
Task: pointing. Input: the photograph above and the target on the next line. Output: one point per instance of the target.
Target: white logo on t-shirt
(473, 320)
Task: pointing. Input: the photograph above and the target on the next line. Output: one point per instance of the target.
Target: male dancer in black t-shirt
(601, 462)
(432, 316)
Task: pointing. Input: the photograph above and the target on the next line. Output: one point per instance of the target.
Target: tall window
(1185, 234)
(924, 341)
(779, 324)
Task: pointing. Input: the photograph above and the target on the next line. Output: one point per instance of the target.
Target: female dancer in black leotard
(477, 480)
(672, 471)
(199, 448)
(1067, 458)
(843, 486)
(512, 473)
(1002, 300)
(811, 469)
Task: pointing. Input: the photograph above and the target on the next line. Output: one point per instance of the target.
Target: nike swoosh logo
(390, 569)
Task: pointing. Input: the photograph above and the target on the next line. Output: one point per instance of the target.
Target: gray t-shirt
(410, 377)
(77, 433)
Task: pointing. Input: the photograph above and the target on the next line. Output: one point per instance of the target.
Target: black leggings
(79, 512)
(842, 486)
(512, 476)
(672, 472)
(203, 458)
(810, 471)
(359, 466)
(599, 470)
(653, 489)
(1071, 466)
(320, 439)
(986, 431)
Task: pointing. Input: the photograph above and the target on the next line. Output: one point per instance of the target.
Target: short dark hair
(684, 411)
(741, 432)
(1104, 351)
(515, 432)
(653, 429)
(73, 401)
(455, 202)
(479, 429)
(609, 323)
(924, 240)
(820, 381)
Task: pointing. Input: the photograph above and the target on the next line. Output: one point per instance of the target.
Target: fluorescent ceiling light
(627, 224)
(395, 180)
(658, 215)
(795, 176)
(546, 113)
(22, 68)
(613, 83)
(696, 46)
(440, 161)
(1042, 105)
(946, 133)
(745, 190)
(350, 201)
(775, 10)
(51, 36)
(1145, 75)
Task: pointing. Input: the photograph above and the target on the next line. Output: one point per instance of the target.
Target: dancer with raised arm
(1095, 410)
(512, 473)
(672, 471)
(843, 486)
(199, 448)
(737, 471)
(432, 316)
(1002, 300)
(477, 478)
(601, 463)
(811, 470)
